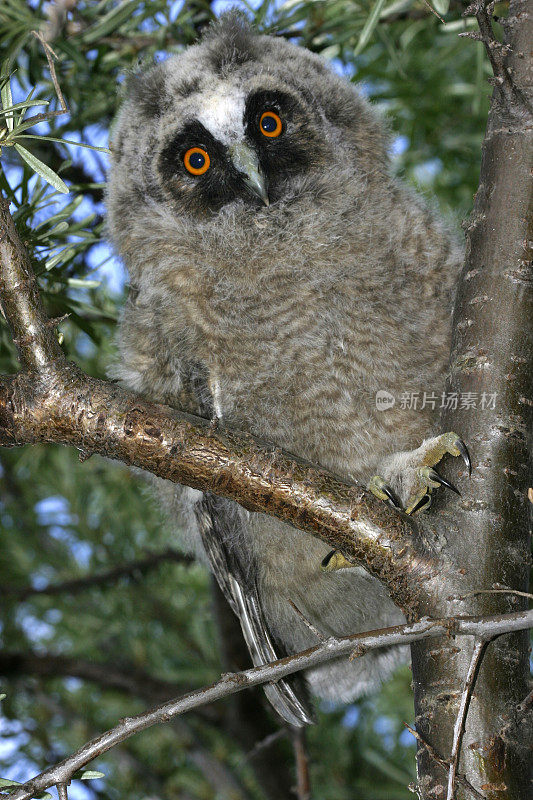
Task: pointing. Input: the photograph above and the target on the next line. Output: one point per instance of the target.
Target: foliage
(60, 519)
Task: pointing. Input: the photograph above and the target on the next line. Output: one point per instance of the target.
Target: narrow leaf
(84, 283)
(7, 101)
(441, 6)
(92, 775)
(110, 21)
(368, 28)
(45, 172)
(24, 104)
(66, 141)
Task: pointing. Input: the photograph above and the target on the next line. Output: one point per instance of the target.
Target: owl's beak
(247, 163)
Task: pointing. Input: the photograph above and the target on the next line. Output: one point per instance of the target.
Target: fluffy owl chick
(281, 279)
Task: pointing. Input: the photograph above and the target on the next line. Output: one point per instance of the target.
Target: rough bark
(485, 535)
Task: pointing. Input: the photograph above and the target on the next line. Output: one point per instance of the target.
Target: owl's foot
(408, 479)
(334, 561)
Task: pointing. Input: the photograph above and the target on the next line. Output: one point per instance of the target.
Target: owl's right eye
(196, 160)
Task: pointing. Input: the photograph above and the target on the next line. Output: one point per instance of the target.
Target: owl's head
(240, 119)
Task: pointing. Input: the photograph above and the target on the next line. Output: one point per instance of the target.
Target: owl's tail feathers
(285, 701)
(288, 696)
(218, 520)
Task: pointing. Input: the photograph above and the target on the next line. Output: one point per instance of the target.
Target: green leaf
(441, 6)
(7, 102)
(66, 141)
(3, 696)
(84, 283)
(91, 775)
(64, 254)
(112, 20)
(24, 104)
(6, 782)
(10, 786)
(368, 28)
(45, 172)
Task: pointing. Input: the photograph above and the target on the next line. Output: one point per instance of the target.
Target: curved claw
(424, 502)
(334, 561)
(434, 475)
(386, 489)
(465, 455)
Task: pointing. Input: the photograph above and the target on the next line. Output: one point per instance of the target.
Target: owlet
(283, 280)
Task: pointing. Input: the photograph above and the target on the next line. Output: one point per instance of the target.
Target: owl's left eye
(196, 160)
(270, 124)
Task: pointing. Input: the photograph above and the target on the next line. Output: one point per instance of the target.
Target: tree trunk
(485, 536)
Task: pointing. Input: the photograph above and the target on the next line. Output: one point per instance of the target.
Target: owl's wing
(217, 521)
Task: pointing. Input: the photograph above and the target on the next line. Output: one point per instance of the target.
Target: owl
(283, 282)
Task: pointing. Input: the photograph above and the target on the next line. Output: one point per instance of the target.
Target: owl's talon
(448, 443)
(422, 505)
(412, 477)
(383, 491)
(434, 478)
(334, 561)
(465, 455)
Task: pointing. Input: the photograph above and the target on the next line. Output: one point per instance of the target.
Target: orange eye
(270, 124)
(196, 161)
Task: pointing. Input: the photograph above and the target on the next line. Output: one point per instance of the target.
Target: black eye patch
(205, 191)
(295, 148)
(170, 162)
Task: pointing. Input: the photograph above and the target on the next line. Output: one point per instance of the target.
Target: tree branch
(485, 535)
(53, 401)
(361, 643)
(36, 342)
(460, 722)
(130, 680)
(443, 763)
(131, 570)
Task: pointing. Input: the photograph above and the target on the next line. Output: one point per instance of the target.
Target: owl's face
(240, 120)
(242, 143)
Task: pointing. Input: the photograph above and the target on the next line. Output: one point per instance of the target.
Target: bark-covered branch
(129, 679)
(53, 401)
(132, 570)
(64, 406)
(356, 645)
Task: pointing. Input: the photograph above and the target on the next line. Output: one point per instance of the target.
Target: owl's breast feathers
(298, 358)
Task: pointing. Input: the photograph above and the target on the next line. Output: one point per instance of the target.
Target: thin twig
(320, 636)
(62, 793)
(265, 743)
(129, 570)
(231, 683)
(301, 759)
(460, 722)
(445, 764)
(496, 52)
(50, 55)
(434, 11)
(492, 591)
